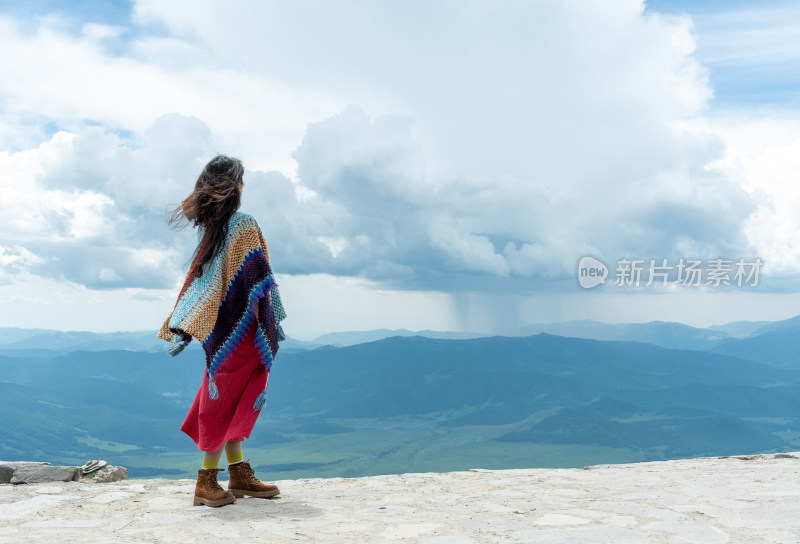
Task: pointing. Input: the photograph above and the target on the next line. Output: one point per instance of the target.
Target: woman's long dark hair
(215, 198)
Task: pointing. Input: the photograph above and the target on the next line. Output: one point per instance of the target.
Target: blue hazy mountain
(411, 404)
(661, 333)
(740, 329)
(13, 340)
(351, 338)
(666, 334)
(776, 343)
(793, 323)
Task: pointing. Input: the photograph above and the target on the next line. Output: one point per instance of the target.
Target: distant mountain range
(767, 342)
(351, 338)
(412, 403)
(12, 339)
(719, 338)
(44, 341)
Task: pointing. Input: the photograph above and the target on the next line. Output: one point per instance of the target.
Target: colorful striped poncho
(218, 307)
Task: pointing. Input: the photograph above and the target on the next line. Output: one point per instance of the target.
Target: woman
(231, 305)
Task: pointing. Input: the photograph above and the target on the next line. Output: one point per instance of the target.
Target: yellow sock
(208, 463)
(234, 458)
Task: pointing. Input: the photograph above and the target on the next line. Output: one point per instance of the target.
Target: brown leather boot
(208, 491)
(243, 482)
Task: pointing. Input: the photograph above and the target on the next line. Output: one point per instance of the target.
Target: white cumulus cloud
(427, 146)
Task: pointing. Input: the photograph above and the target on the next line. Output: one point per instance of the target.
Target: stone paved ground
(749, 499)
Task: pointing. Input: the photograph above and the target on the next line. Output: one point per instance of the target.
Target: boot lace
(249, 472)
(212, 482)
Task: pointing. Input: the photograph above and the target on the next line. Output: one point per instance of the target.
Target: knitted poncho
(218, 307)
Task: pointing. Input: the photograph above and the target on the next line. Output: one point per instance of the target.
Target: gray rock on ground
(7, 468)
(108, 473)
(45, 473)
(6, 473)
(33, 472)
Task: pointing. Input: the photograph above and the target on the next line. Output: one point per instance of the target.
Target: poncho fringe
(218, 307)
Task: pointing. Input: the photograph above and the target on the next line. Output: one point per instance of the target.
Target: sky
(424, 165)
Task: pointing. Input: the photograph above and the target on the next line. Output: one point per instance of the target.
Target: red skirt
(231, 416)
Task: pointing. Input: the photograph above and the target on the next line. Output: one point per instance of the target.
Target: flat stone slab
(746, 499)
(7, 468)
(38, 474)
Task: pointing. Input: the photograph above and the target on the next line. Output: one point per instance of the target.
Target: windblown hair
(215, 198)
